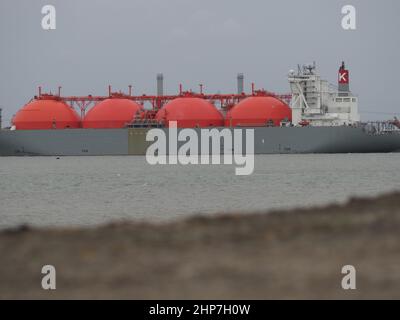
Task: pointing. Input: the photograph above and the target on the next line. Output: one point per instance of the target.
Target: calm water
(90, 190)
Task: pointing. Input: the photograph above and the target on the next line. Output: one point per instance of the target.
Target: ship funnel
(344, 80)
(160, 84)
(240, 83)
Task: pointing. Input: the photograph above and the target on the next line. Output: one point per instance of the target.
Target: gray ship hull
(132, 141)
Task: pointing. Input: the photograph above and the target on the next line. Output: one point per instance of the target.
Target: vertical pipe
(82, 114)
(59, 91)
(40, 91)
(109, 90)
(160, 84)
(180, 89)
(240, 83)
(130, 90)
(252, 88)
(1, 118)
(201, 89)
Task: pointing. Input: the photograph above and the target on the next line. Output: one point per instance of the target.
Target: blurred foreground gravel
(288, 254)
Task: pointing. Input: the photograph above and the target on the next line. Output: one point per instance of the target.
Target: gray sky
(122, 42)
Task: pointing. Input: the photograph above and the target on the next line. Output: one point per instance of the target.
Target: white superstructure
(315, 102)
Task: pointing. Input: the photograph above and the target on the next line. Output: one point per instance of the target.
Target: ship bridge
(316, 102)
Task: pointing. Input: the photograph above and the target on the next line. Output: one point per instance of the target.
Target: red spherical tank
(111, 113)
(190, 112)
(258, 111)
(46, 114)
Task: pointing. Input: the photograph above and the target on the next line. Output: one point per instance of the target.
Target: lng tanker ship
(315, 118)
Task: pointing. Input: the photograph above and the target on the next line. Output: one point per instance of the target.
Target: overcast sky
(122, 42)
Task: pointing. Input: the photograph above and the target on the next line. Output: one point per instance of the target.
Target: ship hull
(132, 141)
